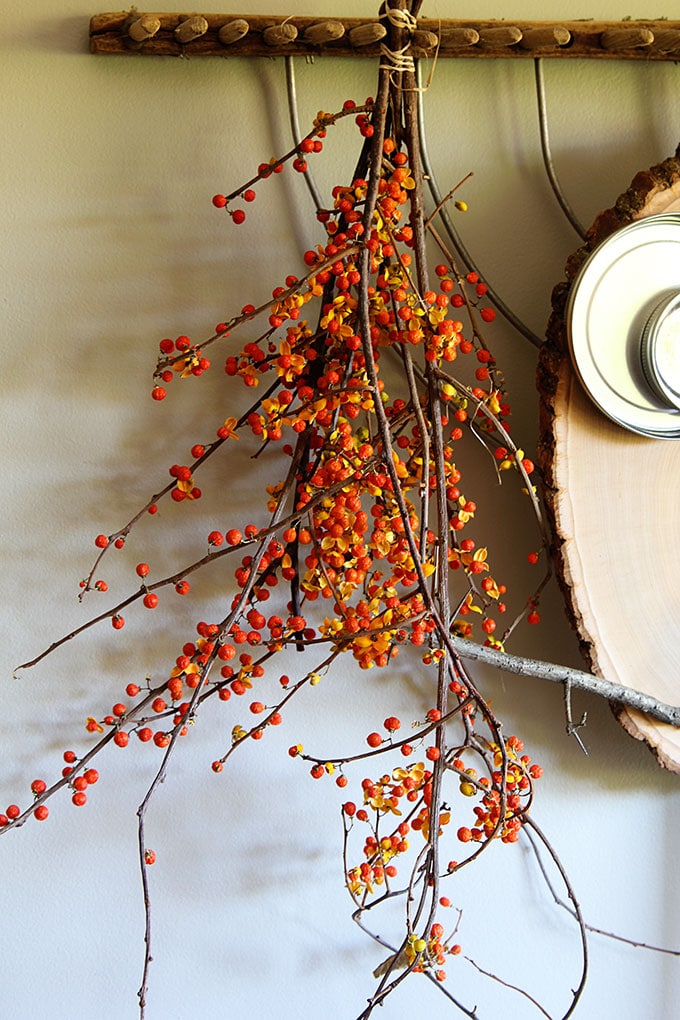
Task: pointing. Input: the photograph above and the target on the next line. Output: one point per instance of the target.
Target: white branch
(574, 678)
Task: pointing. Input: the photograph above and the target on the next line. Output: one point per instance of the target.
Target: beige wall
(109, 242)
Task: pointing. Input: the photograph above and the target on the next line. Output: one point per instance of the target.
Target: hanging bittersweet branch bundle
(368, 374)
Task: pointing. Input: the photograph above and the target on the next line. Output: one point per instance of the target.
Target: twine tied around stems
(401, 59)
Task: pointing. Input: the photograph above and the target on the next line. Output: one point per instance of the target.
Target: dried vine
(368, 530)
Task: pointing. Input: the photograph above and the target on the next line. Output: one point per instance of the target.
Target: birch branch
(575, 678)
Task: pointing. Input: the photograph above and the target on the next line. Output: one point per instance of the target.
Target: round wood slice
(613, 500)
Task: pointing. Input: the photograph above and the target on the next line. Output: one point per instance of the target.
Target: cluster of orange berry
(505, 796)
(349, 526)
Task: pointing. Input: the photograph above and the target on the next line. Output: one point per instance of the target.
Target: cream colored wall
(109, 242)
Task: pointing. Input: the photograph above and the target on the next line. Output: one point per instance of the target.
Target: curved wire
(547, 156)
(452, 233)
(295, 130)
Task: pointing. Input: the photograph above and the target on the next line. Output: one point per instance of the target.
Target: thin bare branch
(576, 678)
